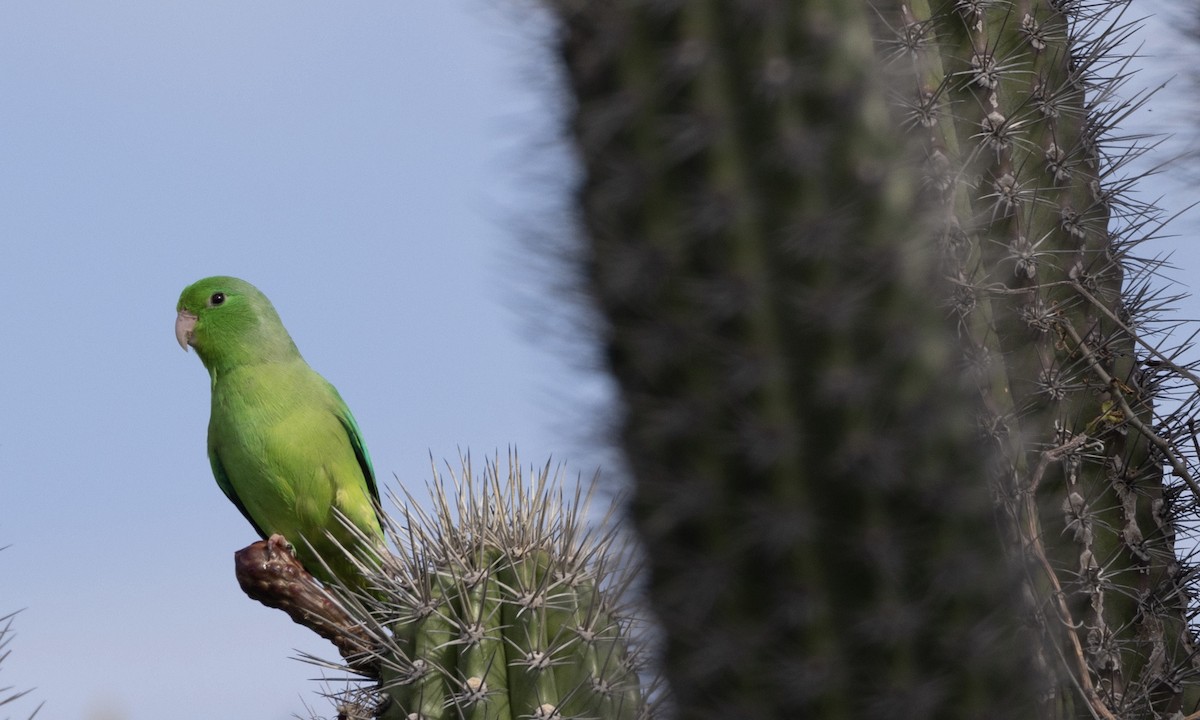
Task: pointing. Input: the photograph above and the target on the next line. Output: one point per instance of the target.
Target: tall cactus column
(810, 484)
(1013, 113)
(819, 512)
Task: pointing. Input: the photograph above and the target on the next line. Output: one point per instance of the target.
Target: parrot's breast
(288, 457)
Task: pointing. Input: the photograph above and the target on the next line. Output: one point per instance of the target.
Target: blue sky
(370, 166)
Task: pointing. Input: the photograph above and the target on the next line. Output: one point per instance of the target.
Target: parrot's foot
(269, 572)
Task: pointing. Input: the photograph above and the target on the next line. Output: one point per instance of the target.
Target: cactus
(1036, 234)
(827, 534)
(10, 696)
(503, 602)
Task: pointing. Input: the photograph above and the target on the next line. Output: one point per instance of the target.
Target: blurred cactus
(10, 696)
(802, 219)
(505, 601)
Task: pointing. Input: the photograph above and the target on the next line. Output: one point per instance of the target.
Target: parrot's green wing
(360, 448)
(223, 482)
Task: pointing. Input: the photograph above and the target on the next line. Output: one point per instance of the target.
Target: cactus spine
(815, 508)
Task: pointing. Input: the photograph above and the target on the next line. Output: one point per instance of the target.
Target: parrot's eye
(216, 299)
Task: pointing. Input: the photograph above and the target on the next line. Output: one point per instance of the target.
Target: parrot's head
(230, 322)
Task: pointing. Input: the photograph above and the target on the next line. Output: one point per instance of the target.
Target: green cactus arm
(426, 683)
(501, 604)
(482, 660)
(531, 681)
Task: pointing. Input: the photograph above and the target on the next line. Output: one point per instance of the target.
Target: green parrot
(282, 443)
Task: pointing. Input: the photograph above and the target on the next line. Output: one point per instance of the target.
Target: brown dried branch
(1034, 529)
(269, 572)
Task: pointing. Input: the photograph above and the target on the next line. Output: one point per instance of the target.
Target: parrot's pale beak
(185, 322)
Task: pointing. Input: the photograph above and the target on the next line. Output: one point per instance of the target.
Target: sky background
(373, 168)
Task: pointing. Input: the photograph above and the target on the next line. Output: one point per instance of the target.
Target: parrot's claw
(279, 543)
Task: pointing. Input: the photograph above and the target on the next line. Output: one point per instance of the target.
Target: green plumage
(282, 443)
